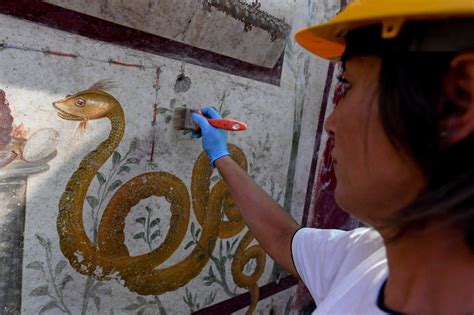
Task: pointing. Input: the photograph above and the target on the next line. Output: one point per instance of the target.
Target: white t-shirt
(343, 271)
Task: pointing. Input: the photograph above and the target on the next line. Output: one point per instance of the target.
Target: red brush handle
(228, 124)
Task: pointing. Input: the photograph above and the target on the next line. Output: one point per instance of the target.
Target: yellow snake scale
(110, 257)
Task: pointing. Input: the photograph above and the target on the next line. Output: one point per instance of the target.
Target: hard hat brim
(327, 40)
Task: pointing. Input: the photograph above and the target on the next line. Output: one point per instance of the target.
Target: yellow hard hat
(327, 40)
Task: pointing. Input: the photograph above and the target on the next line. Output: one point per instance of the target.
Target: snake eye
(80, 102)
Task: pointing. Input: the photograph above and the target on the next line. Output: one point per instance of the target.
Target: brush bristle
(181, 117)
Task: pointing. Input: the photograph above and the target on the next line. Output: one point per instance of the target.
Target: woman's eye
(345, 85)
(80, 102)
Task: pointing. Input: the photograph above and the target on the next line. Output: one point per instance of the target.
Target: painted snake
(110, 258)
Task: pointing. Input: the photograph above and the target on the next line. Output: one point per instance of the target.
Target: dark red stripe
(124, 64)
(59, 53)
(243, 300)
(98, 29)
(317, 140)
(317, 145)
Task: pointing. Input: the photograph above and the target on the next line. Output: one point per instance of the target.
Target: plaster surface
(252, 31)
(40, 65)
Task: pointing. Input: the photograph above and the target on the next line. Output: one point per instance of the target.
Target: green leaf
(141, 311)
(100, 177)
(60, 267)
(65, 281)
(210, 298)
(124, 169)
(115, 185)
(95, 287)
(40, 291)
(155, 222)
(155, 235)
(288, 305)
(162, 110)
(134, 145)
(131, 307)
(141, 300)
(139, 236)
(188, 294)
(92, 201)
(116, 157)
(189, 244)
(168, 119)
(233, 243)
(225, 113)
(104, 291)
(133, 160)
(173, 102)
(97, 303)
(51, 305)
(36, 265)
(193, 228)
(141, 220)
(44, 241)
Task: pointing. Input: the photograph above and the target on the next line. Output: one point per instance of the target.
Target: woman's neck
(431, 272)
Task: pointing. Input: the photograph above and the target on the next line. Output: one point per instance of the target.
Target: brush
(183, 119)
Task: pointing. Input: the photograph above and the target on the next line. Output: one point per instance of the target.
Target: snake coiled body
(110, 257)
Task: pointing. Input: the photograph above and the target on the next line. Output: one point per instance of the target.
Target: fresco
(117, 212)
(22, 155)
(106, 256)
(94, 243)
(253, 31)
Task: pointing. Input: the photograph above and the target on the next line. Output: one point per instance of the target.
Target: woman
(404, 163)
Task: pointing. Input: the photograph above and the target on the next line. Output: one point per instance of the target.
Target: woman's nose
(330, 124)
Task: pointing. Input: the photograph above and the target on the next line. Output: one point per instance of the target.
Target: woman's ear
(459, 91)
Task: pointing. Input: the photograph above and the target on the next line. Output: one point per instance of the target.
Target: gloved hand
(214, 140)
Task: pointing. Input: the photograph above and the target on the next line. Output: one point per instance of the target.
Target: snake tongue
(83, 124)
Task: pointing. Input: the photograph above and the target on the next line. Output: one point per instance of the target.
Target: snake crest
(109, 255)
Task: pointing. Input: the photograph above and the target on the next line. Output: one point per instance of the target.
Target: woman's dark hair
(412, 103)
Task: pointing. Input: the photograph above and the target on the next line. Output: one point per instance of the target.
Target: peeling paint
(252, 16)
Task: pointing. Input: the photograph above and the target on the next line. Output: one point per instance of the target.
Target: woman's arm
(269, 223)
(267, 220)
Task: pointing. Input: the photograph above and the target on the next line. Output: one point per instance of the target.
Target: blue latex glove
(214, 140)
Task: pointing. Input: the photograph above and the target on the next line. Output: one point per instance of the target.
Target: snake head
(86, 105)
